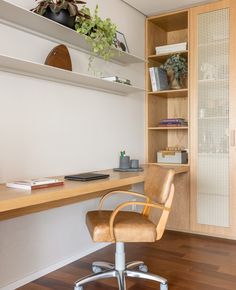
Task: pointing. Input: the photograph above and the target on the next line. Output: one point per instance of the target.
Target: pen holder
(124, 162)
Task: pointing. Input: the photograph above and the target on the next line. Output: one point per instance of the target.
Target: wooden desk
(17, 202)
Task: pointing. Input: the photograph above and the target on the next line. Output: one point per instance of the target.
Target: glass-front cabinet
(212, 107)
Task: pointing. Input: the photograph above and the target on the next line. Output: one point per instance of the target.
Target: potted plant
(101, 34)
(61, 11)
(177, 70)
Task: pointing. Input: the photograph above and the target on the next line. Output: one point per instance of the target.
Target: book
(117, 80)
(35, 183)
(159, 80)
(171, 48)
(173, 122)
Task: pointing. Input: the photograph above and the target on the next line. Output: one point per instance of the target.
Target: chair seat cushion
(128, 227)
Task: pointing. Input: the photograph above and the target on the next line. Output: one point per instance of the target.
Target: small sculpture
(208, 70)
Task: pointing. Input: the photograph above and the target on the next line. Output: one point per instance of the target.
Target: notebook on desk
(87, 176)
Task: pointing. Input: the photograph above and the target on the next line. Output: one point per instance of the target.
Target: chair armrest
(128, 203)
(123, 192)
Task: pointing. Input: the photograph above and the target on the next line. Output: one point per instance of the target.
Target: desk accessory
(127, 165)
(134, 163)
(88, 176)
(124, 160)
(31, 184)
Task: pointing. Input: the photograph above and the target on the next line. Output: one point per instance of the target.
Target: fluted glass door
(213, 118)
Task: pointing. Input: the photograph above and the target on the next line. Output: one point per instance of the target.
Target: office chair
(126, 226)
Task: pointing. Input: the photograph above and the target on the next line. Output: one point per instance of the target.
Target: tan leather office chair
(126, 226)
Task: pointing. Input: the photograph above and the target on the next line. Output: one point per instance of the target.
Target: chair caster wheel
(143, 268)
(95, 269)
(78, 288)
(164, 286)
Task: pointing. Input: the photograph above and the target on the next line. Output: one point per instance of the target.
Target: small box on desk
(175, 157)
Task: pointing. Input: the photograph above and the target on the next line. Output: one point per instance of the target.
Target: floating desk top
(17, 202)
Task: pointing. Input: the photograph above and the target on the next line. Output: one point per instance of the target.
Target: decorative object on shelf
(177, 70)
(120, 42)
(99, 33)
(208, 71)
(172, 155)
(117, 80)
(171, 48)
(59, 57)
(61, 11)
(173, 122)
(159, 80)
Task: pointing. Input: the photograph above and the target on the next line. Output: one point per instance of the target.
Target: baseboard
(52, 268)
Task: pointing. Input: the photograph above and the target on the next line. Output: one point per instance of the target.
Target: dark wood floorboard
(189, 262)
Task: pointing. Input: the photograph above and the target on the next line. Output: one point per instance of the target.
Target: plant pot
(63, 17)
(174, 83)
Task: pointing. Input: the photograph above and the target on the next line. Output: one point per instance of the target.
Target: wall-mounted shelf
(42, 71)
(30, 22)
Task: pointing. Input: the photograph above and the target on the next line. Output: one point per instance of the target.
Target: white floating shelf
(30, 22)
(46, 72)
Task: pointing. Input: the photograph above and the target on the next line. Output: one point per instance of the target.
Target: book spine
(153, 79)
(47, 185)
(157, 78)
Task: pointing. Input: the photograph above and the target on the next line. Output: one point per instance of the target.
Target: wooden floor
(188, 262)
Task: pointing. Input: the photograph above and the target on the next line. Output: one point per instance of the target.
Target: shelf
(214, 43)
(179, 168)
(163, 57)
(172, 21)
(213, 81)
(30, 22)
(170, 164)
(214, 118)
(171, 93)
(168, 128)
(42, 71)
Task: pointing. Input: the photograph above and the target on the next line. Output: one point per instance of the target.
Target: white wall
(50, 129)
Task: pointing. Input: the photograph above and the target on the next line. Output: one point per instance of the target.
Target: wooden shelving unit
(30, 22)
(163, 30)
(45, 72)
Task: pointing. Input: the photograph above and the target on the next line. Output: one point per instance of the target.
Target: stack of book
(171, 48)
(159, 80)
(31, 184)
(175, 122)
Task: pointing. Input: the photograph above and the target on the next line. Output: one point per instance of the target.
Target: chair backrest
(159, 188)
(158, 182)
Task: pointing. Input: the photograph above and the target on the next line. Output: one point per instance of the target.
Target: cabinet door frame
(229, 232)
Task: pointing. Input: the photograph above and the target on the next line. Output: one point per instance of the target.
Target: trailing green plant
(101, 34)
(57, 5)
(177, 64)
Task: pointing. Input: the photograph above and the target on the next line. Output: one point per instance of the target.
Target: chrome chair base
(104, 270)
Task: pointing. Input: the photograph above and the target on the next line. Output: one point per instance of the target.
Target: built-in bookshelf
(164, 30)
